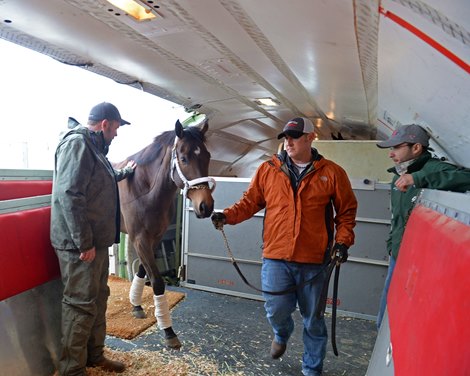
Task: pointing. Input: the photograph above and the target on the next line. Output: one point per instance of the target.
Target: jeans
(278, 275)
(383, 297)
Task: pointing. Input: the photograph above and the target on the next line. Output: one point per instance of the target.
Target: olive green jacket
(85, 201)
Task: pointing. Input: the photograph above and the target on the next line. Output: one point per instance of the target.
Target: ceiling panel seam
(437, 18)
(63, 56)
(366, 26)
(245, 21)
(94, 10)
(213, 41)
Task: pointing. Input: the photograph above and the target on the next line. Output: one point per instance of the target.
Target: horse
(175, 159)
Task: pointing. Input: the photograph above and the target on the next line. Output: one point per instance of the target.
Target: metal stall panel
(206, 262)
(208, 265)
(363, 276)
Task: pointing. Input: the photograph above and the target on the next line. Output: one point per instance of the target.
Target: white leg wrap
(137, 288)
(162, 312)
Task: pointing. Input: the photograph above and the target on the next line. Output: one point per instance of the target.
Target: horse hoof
(138, 312)
(173, 343)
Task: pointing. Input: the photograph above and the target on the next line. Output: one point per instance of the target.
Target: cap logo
(292, 124)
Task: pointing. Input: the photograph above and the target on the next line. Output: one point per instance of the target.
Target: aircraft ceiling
(346, 65)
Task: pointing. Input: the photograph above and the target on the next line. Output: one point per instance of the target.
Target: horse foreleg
(135, 293)
(162, 313)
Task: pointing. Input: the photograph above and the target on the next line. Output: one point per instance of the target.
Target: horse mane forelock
(161, 142)
(196, 133)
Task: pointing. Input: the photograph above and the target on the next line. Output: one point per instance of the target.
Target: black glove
(340, 251)
(218, 220)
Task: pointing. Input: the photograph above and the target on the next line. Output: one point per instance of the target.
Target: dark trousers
(84, 304)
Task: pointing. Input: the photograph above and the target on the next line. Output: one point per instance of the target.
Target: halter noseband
(188, 184)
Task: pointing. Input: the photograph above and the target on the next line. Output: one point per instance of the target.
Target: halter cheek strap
(188, 184)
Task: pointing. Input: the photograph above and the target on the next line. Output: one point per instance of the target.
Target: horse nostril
(203, 210)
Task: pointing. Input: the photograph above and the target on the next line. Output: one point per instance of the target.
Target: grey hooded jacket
(85, 200)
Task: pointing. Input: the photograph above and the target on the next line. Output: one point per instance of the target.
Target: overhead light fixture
(267, 101)
(134, 8)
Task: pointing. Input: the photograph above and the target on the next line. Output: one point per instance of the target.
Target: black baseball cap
(106, 110)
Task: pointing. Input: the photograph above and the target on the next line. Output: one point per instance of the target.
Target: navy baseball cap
(106, 111)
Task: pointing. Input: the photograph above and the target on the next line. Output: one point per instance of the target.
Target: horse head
(190, 168)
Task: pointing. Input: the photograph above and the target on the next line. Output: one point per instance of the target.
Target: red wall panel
(12, 189)
(27, 258)
(428, 301)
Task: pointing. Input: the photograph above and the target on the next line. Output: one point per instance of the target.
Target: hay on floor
(119, 320)
(163, 363)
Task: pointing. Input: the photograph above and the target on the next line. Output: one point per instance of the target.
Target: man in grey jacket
(85, 221)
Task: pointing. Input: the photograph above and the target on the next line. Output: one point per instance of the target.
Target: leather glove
(340, 251)
(218, 220)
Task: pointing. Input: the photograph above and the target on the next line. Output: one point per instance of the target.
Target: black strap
(321, 305)
(283, 292)
(333, 310)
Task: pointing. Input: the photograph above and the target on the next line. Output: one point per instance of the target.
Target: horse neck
(163, 185)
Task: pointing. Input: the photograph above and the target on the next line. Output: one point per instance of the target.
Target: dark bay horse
(175, 159)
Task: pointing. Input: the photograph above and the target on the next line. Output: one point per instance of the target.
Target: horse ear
(179, 129)
(205, 127)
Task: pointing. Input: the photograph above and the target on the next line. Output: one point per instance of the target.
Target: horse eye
(184, 160)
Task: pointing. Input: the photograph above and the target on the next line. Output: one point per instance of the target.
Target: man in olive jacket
(414, 169)
(84, 223)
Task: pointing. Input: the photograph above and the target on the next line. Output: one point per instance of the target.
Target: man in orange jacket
(310, 214)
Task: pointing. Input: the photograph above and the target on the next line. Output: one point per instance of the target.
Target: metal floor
(234, 332)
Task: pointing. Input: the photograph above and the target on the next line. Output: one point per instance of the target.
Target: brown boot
(277, 349)
(108, 365)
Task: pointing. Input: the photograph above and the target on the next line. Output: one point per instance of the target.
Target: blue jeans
(383, 297)
(278, 275)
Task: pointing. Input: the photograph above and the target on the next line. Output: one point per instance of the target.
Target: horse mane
(160, 144)
(196, 133)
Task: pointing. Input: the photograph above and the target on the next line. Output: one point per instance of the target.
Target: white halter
(188, 184)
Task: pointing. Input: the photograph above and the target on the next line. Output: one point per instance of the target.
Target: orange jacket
(300, 226)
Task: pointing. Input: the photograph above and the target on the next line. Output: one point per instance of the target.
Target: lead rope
(320, 309)
(283, 292)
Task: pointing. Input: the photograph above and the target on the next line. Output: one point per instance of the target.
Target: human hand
(88, 255)
(218, 220)
(340, 252)
(404, 181)
(130, 166)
